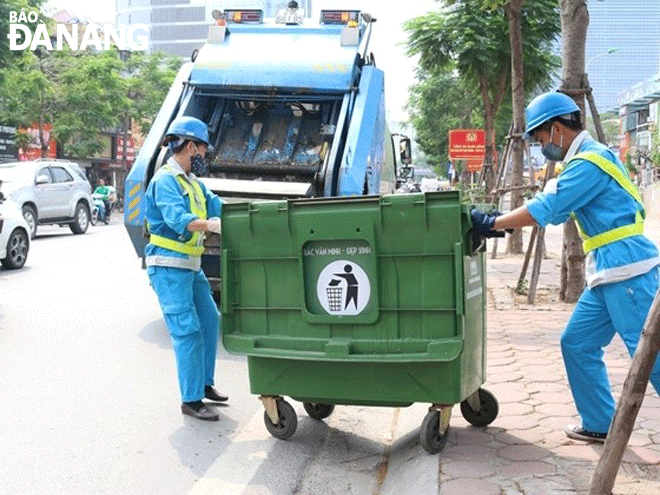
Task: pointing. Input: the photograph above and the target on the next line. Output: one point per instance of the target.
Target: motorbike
(100, 203)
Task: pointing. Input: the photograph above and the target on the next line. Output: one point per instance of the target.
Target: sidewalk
(525, 451)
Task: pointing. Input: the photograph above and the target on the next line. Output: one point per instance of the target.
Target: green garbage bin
(358, 301)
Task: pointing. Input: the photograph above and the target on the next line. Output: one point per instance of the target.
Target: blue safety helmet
(189, 128)
(546, 106)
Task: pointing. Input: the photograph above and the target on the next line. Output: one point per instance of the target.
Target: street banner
(467, 144)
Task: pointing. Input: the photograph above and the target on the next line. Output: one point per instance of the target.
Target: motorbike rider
(179, 210)
(103, 192)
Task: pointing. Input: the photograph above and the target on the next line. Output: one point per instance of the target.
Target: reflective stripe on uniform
(195, 245)
(193, 264)
(172, 245)
(616, 234)
(637, 228)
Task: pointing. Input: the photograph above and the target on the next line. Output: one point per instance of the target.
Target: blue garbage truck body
(294, 109)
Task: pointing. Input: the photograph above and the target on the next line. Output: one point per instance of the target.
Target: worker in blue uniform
(621, 263)
(179, 211)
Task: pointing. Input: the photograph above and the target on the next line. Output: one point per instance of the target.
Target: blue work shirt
(168, 209)
(600, 204)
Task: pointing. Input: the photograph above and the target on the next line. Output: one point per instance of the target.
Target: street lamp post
(608, 52)
(590, 98)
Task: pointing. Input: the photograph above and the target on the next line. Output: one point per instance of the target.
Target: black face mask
(198, 165)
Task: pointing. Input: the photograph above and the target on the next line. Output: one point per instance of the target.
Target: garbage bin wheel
(318, 411)
(288, 421)
(486, 414)
(429, 435)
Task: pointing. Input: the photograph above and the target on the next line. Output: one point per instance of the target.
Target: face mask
(198, 165)
(553, 152)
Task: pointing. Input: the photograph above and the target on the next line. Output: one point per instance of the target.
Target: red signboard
(474, 165)
(466, 144)
(130, 151)
(624, 147)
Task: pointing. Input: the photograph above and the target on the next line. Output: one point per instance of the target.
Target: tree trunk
(124, 149)
(488, 173)
(572, 265)
(491, 101)
(43, 142)
(512, 10)
(574, 23)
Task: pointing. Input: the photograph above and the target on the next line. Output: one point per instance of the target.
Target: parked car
(14, 235)
(49, 192)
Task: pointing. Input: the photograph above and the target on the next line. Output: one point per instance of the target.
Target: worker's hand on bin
(483, 223)
(214, 225)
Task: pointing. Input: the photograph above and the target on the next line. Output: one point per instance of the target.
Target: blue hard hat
(189, 128)
(546, 106)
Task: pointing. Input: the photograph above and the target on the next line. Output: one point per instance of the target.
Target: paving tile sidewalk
(524, 451)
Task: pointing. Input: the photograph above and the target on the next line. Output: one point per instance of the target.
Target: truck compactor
(295, 108)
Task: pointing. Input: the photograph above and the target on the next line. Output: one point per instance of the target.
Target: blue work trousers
(193, 322)
(619, 307)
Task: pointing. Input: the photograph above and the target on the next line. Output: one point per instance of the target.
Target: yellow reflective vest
(618, 233)
(195, 245)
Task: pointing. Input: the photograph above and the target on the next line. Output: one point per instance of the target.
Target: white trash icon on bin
(343, 288)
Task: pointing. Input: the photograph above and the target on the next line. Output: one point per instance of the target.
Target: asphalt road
(89, 399)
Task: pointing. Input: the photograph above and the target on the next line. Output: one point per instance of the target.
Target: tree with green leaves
(513, 12)
(474, 40)
(91, 98)
(29, 94)
(147, 79)
(83, 94)
(436, 104)
(77, 92)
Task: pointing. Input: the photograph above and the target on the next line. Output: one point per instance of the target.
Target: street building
(623, 47)
(178, 27)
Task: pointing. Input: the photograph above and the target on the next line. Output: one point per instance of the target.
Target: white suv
(49, 192)
(14, 237)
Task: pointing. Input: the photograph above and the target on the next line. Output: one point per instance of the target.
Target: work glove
(482, 223)
(214, 225)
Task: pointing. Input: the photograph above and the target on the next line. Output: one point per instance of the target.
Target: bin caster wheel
(430, 437)
(318, 411)
(287, 424)
(486, 413)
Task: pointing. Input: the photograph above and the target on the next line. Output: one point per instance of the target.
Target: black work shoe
(578, 433)
(204, 412)
(212, 394)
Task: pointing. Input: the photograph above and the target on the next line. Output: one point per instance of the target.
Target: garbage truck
(295, 109)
